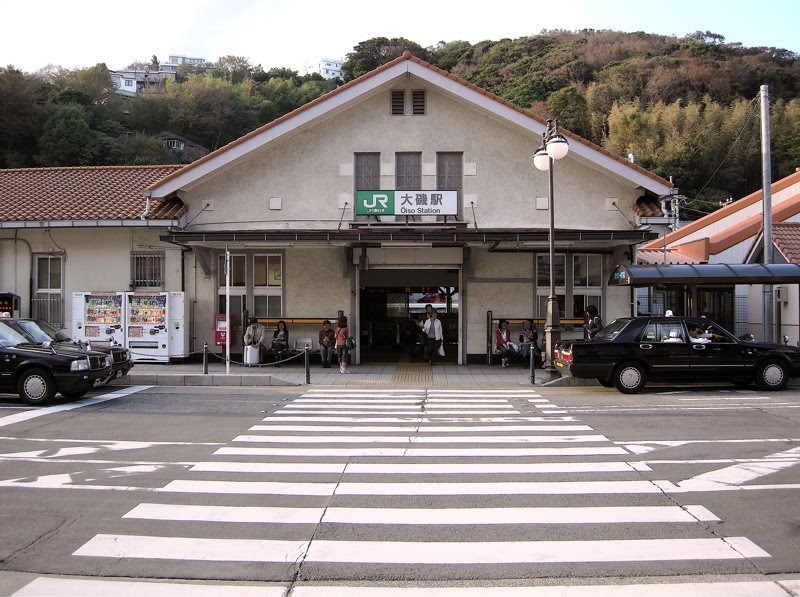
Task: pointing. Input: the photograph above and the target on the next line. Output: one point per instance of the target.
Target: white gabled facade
(281, 199)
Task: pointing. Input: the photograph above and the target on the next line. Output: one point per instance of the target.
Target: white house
(288, 201)
(330, 68)
(733, 235)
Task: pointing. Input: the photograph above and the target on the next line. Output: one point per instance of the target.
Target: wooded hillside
(682, 107)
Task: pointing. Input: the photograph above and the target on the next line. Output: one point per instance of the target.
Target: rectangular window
(543, 271)
(408, 171)
(267, 285)
(588, 270)
(418, 102)
(398, 102)
(47, 301)
(367, 171)
(237, 271)
(147, 270)
(450, 174)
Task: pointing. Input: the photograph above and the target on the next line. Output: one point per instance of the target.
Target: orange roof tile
(83, 193)
(786, 236)
(407, 56)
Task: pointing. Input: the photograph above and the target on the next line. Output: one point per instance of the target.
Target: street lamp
(554, 147)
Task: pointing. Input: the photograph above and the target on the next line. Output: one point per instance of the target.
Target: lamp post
(554, 147)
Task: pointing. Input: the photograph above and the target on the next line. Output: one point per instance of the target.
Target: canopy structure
(705, 274)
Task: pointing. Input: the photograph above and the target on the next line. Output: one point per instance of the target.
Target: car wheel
(606, 383)
(36, 386)
(74, 395)
(772, 375)
(630, 378)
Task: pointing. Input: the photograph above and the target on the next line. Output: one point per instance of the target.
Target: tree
(22, 115)
(235, 69)
(570, 106)
(67, 139)
(372, 53)
(139, 150)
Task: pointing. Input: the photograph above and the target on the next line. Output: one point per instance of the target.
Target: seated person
(697, 336)
(502, 342)
(280, 342)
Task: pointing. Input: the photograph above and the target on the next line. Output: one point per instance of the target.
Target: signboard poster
(406, 203)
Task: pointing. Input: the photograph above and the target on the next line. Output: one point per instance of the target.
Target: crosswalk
(432, 485)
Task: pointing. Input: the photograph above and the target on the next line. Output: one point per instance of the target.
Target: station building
(408, 186)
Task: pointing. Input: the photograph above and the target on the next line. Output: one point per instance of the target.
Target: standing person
(593, 322)
(256, 335)
(327, 344)
(280, 341)
(527, 341)
(341, 334)
(502, 342)
(432, 329)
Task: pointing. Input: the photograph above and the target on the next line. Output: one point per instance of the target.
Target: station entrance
(392, 307)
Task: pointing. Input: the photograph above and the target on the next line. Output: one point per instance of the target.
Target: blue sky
(297, 34)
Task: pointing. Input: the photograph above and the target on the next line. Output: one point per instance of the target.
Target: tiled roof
(407, 56)
(726, 211)
(83, 193)
(786, 236)
(647, 207)
(670, 257)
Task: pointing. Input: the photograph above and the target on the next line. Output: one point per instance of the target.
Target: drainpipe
(146, 213)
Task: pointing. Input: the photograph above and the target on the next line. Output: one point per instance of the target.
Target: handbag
(441, 350)
(350, 343)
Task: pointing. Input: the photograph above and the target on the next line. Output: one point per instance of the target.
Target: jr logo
(375, 203)
(372, 202)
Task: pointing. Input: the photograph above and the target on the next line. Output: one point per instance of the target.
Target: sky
(297, 34)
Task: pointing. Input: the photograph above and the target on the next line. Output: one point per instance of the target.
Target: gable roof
(700, 249)
(84, 194)
(405, 64)
(786, 236)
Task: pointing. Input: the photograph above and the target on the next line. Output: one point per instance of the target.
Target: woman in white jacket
(432, 328)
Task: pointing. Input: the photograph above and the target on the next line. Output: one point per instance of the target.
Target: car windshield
(612, 329)
(10, 337)
(42, 332)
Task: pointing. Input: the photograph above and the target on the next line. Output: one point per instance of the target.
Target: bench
(515, 325)
(302, 331)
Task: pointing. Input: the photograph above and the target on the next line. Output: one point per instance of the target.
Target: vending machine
(98, 317)
(147, 318)
(178, 330)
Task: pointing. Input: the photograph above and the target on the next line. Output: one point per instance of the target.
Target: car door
(722, 357)
(663, 345)
(8, 358)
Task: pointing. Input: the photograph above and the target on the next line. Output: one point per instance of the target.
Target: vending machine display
(98, 317)
(147, 316)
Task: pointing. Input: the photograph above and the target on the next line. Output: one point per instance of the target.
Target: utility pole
(766, 183)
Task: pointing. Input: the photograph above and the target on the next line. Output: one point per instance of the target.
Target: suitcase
(251, 354)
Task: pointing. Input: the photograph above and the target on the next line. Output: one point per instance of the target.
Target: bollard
(205, 358)
(533, 364)
(308, 364)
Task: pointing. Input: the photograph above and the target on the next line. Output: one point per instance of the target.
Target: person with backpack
(593, 322)
(342, 350)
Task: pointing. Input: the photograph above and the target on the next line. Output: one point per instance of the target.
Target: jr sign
(406, 203)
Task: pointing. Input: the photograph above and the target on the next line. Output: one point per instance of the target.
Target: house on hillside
(295, 204)
(731, 235)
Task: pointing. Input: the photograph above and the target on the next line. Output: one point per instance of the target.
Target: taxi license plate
(559, 364)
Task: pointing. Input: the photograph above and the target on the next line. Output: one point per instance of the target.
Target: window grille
(367, 171)
(408, 171)
(147, 270)
(418, 102)
(398, 102)
(47, 302)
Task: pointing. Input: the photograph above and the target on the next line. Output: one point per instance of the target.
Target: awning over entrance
(706, 273)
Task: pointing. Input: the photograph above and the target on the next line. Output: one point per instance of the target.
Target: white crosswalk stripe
(436, 479)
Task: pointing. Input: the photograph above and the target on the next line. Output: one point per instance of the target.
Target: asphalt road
(310, 491)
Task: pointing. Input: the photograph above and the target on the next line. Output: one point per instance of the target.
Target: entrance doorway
(393, 305)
